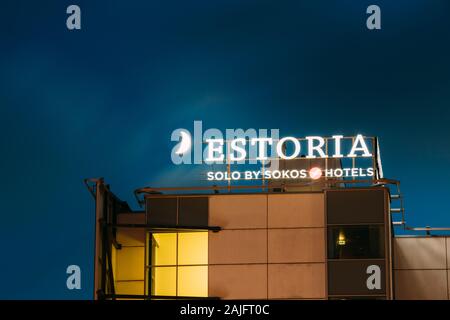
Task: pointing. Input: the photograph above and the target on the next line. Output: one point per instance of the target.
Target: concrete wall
(272, 246)
(421, 268)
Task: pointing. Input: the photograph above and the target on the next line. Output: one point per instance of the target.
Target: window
(355, 242)
(345, 207)
(181, 211)
(178, 264)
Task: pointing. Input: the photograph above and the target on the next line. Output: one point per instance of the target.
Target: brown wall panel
(237, 246)
(448, 284)
(305, 281)
(296, 210)
(238, 211)
(421, 284)
(420, 253)
(238, 281)
(448, 252)
(421, 268)
(296, 245)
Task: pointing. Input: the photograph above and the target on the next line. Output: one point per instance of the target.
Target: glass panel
(192, 248)
(164, 281)
(193, 211)
(162, 211)
(129, 287)
(166, 277)
(164, 249)
(349, 206)
(193, 281)
(114, 261)
(355, 242)
(130, 263)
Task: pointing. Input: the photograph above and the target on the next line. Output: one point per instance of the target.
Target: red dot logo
(315, 173)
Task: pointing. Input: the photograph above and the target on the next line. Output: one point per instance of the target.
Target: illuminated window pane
(164, 281)
(114, 261)
(164, 249)
(176, 264)
(129, 287)
(192, 248)
(193, 281)
(130, 263)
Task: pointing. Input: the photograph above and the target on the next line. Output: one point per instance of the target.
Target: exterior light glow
(341, 239)
(315, 173)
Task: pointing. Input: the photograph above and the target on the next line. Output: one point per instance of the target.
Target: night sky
(103, 101)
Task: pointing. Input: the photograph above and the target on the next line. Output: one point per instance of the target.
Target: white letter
(235, 147)
(74, 280)
(317, 148)
(374, 280)
(247, 135)
(337, 147)
(297, 148)
(262, 146)
(374, 21)
(359, 140)
(74, 20)
(212, 149)
(211, 134)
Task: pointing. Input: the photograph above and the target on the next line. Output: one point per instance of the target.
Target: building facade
(320, 239)
(331, 244)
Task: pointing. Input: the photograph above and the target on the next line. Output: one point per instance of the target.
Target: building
(325, 239)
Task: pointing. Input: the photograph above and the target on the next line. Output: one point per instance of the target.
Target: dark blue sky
(104, 100)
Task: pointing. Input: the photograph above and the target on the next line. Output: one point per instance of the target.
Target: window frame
(149, 266)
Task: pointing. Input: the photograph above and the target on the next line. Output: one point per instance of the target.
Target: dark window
(162, 211)
(355, 242)
(355, 206)
(179, 211)
(193, 211)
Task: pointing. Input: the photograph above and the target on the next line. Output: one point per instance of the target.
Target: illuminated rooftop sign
(315, 148)
(253, 145)
(265, 148)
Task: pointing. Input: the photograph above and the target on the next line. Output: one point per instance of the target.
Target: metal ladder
(400, 209)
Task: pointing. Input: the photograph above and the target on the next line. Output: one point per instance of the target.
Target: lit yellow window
(164, 281)
(178, 264)
(193, 281)
(192, 248)
(165, 249)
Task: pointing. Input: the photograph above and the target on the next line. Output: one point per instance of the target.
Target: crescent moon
(185, 143)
